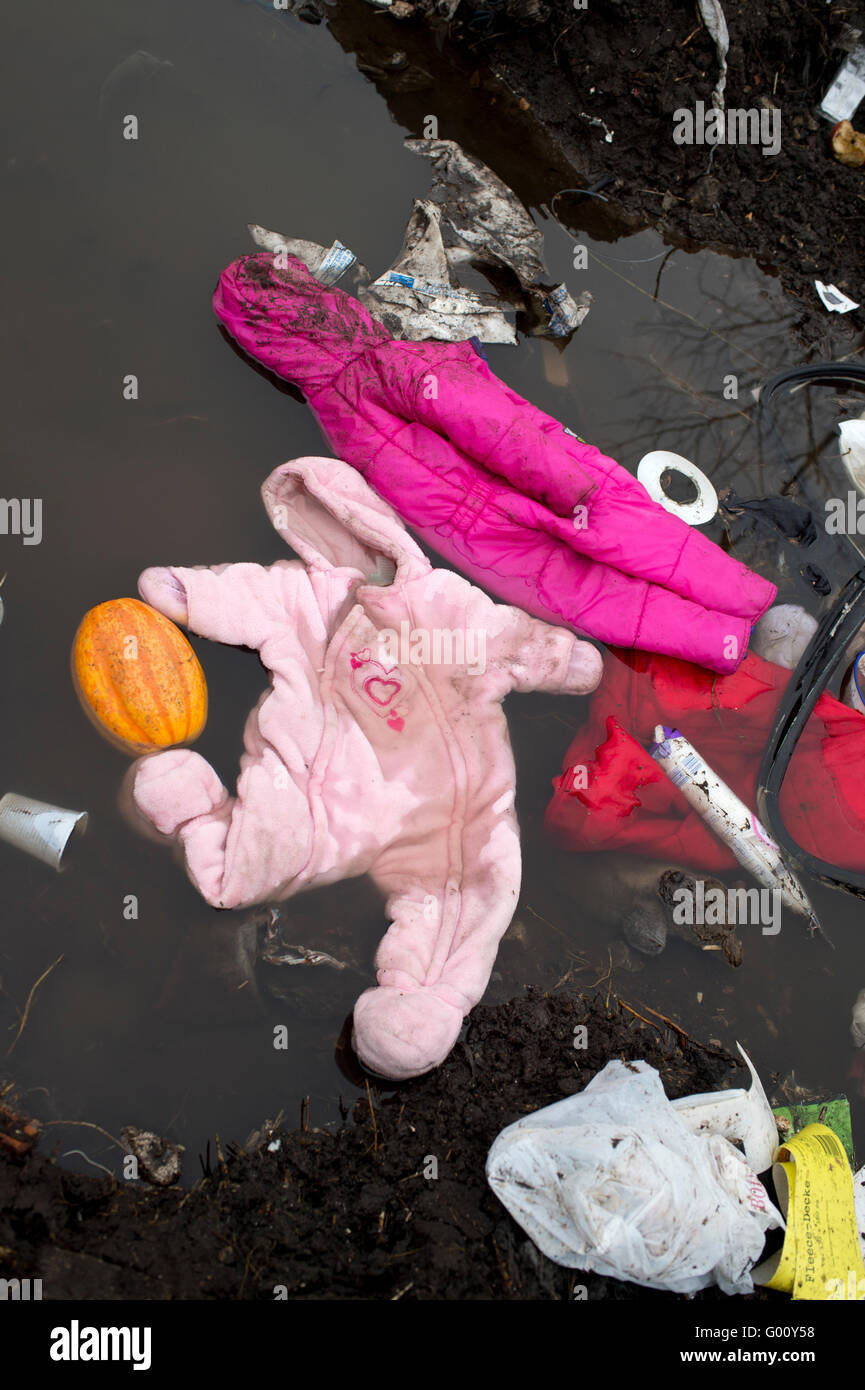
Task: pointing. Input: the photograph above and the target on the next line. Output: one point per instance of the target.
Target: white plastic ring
(650, 470)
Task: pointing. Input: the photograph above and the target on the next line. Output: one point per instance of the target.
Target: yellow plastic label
(821, 1257)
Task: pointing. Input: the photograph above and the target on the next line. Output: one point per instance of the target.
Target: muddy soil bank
(348, 1213)
(616, 66)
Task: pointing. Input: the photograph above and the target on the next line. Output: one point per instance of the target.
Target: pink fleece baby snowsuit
(490, 482)
(381, 747)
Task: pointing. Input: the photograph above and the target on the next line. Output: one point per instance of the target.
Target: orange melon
(137, 677)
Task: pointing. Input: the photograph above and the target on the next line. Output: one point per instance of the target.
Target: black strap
(836, 630)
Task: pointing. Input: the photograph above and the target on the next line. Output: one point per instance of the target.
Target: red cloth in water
(612, 795)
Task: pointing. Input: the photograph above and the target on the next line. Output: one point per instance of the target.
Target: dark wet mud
(161, 1019)
(622, 69)
(352, 1211)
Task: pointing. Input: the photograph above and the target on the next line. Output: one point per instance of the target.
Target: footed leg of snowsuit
(451, 898)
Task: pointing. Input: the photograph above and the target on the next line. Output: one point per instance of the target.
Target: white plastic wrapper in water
(652, 468)
(833, 299)
(740, 1115)
(715, 21)
(852, 434)
(783, 635)
(472, 220)
(613, 1181)
(847, 88)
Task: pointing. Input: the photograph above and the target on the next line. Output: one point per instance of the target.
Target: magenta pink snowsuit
(491, 483)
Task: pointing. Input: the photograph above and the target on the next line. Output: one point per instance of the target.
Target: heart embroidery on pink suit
(383, 692)
(381, 689)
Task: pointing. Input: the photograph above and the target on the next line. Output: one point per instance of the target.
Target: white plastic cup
(38, 828)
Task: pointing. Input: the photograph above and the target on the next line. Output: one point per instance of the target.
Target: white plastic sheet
(741, 1115)
(613, 1181)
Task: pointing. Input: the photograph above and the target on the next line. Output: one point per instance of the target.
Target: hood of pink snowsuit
(497, 487)
(381, 747)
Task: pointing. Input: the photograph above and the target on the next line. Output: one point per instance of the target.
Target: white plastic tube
(729, 819)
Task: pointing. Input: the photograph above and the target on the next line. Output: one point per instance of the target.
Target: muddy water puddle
(150, 1014)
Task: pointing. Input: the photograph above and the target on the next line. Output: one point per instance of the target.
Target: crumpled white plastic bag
(611, 1180)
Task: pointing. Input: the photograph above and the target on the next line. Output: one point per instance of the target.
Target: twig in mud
(26, 1014)
(372, 1114)
(623, 1005)
(686, 41)
(566, 30)
(608, 976)
(88, 1159)
(220, 1156)
(572, 970)
(399, 1293)
(86, 1124)
(503, 1269)
(245, 1272)
(551, 925)
(661, 271)
(669, 1022)
(682, 1035)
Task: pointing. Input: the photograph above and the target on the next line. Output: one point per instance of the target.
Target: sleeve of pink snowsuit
(180, 794)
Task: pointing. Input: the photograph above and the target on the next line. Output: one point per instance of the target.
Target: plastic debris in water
(821, 1257)
(833, 299)
(853, 451)
(741, 1115)
(847, 88)
(274, 951)
(784, 634)
(715, 21)
(596, 120)
(471, 219)
(730, 819)
(327, 264)
(650, 472)
(38, 828)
